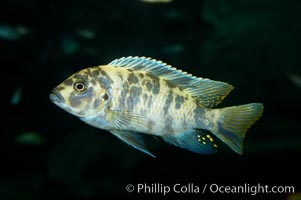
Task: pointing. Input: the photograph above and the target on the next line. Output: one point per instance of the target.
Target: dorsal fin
(208, 92)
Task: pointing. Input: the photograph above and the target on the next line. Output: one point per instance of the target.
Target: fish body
(158, 108)
(137, 95)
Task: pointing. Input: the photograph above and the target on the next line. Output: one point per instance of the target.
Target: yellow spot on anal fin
(208, 136)
(198, 136)
(203, 138)
(215, 145)
(204, 142)
(211, 140)
(199, 139)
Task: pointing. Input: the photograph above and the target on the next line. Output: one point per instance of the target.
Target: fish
(132, 96)
(16, 97)
(86, 33)
(30, 138)
(10, 33)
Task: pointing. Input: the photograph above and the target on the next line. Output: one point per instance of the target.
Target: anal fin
(197, 141)
(133, 139)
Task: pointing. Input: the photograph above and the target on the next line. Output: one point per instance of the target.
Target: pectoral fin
(133, 139)
(122, 119)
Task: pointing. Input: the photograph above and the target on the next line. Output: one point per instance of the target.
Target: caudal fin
(233, 122)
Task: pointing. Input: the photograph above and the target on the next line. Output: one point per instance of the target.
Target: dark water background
(46, 153)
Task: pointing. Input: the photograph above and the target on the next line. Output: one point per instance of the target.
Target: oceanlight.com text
(213, 188)
(251, 189)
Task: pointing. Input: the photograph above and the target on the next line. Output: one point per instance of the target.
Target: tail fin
(233, 122)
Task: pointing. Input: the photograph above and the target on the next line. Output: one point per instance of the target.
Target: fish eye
(80, 86)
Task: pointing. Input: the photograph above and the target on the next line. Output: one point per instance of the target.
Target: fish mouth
(56, 97)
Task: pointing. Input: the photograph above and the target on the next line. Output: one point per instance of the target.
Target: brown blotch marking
(132, 79)
(141, 75)
(170, 84)
(198, 114)
(130, 70)
(148, 85)
(105, 80)
(168, 102)
(109, 104)
(93, 82)
(122, 98)
(76, 99)
(103, 72)
(155, 83)
(95, 73)
(88, 72)
(59, 88)
(134, 97)
(68, 82)
(79, 76)
(89, 94)
(179, 100)
(96, 103)
(95, 77)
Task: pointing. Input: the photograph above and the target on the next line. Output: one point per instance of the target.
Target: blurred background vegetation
(47, 153)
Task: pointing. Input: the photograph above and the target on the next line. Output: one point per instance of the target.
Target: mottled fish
(136, 95)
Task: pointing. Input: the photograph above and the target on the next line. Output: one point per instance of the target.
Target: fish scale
(137, 95)
(154, 111)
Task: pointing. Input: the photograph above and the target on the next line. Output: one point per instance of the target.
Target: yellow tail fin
(234, 122)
